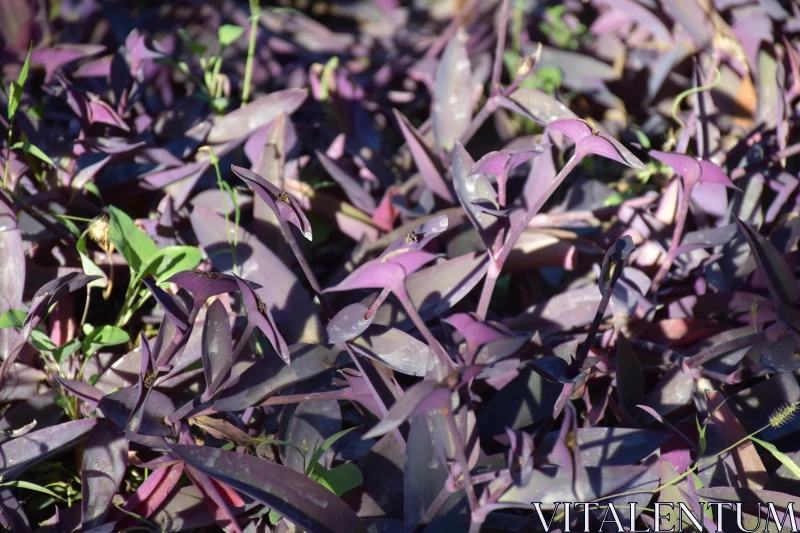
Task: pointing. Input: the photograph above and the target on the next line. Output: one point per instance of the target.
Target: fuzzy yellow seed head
(783, 415)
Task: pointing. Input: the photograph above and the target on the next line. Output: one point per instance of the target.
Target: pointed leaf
(452, 95)
(217, 344)
(297, 498)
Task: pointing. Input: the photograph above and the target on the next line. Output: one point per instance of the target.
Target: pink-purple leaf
(588, 142)
(423, 159)
(387, 271)
(255, 115)
(284, 206)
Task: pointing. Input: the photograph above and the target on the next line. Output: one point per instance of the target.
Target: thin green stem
(255, 10)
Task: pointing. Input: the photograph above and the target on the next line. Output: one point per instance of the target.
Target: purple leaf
(452, 95)
(284, 206)
(204, 285)
(255, 115)
(396, 349)
(174, 307)
(348, 323)
(84, 391)
(352, 189)
(588, 141)
(61, 54)
(388, 271)
(296, 497)
(423, 159)
(217, 345)
(541, 107)
(419, 398)
(267, 377)
(105, 460)
(780, 278)
(118, 405)
(472, 188)
(292, 307)
(260, 316)
(22, 452)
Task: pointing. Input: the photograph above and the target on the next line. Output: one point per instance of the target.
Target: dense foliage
(390, 266)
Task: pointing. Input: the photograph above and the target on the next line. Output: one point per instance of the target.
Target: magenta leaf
(589, 141)
(389, 271)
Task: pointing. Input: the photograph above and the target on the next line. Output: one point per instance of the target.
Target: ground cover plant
(384, 266)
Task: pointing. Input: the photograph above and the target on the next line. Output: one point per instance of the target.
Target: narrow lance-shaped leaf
(780, 279)
(293, 495)
(285, 207)
(261, 317)
(452, 95)
(217, 345)
(105, 460)
(423, 159)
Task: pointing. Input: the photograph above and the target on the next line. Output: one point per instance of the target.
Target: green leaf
(69, 224)
(228, 33)
(90, 268)
(274, 517)
(30, 486)
(92, 188)
(34, 150)
(65, 350)
(322, 449)
(279, 442)
(15, 94)
(96, 338)
(132, 243)
(168, 261)
(779, 455)
(326, 76)
(13, 318)
(339, 480)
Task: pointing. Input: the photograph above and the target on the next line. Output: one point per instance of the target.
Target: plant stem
(461, 457)
(533, 210)
(251, 50)
(502, 30)
(445, 364)
(377, 303)
(672, 253)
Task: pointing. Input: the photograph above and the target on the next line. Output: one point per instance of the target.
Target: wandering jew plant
(399, 267)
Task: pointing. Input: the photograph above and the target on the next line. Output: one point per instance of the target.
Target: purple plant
(390, 266)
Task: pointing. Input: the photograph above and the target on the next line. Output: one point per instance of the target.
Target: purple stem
(374, 391)
(451, 30)
(377, 303)
(496, 263)
(461, 457)
(445, 364)
(672, 253)
(494, 86)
